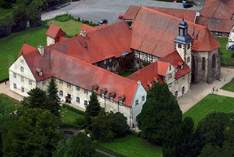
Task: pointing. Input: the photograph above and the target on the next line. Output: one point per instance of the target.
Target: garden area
(211, 103)
(227, 57)
(229, 86)
(133, 146)
(10, 46)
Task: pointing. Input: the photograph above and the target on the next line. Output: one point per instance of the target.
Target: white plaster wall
(22, 79)
(50, 41)
(185, 52)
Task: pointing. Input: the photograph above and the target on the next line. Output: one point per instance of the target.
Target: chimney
(41, 50)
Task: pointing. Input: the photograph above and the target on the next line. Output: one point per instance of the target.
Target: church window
(203, 63)
(213, 61)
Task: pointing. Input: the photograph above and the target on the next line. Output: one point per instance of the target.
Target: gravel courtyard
(96, 10)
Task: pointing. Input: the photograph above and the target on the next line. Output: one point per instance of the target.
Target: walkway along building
(158, 46)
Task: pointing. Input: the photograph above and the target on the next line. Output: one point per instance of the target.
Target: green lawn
(211, 103)
(70, 116)
(133, 146)
(10, 46)
(229, 86)
(226, 55)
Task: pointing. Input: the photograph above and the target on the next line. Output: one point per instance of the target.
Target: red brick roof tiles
(54, 31)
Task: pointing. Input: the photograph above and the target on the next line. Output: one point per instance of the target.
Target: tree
(53, 98)
(119, 124)
(101, 127)
(78, 146)
(31, 132)
(37, 99)
(160, 115)
(93, 108)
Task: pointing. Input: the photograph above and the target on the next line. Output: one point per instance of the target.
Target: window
(78, 99)
(30, 82)
(203, 63)
(68, 85)
(14, 86)
(137, 102)
(22, 79)
(60, 82)
(213, 61)
(85, 91)
(86, 103)
(22, 69)
(14, 75)
(77, 88)
(179, 45)
(188, 59)
(183, 90)
(22, 89)
(61, 93)
(143, 98)
(22, 61)
(176, 93)
(188, 46)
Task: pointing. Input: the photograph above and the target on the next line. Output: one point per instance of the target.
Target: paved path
(224, 93)
(4, 89)
(95, 10)
(201, 90)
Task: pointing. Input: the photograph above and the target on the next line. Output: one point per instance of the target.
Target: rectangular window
(22, 89)
(15, 86)
(179, 45)
(137, 102)
(77, 88)
(86, 103)
(78, 99)
(203, 63)
(61, 93)
(143, 98)
(14, 75)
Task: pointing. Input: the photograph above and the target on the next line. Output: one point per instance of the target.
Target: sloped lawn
(211, 103)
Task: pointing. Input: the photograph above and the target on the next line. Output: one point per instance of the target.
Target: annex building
(154, 44)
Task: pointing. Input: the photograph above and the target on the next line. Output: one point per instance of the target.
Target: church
(156, 46)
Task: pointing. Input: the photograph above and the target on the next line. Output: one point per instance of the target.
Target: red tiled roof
(175, 60)
(217, 15)
(77, 72)
(54, 31)
(162, 68)
(106, 42)
(157, 38)
(147, 75)
(131, 13)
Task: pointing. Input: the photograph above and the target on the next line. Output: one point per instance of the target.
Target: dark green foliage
(78, 146)
(119, 124)
(92, 109)
(32, 132)
(101, 127)
(160, 115)
(53, 101)
(37, 99)
(106, 126)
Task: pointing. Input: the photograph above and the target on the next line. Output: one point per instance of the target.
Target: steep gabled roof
(54, 31)
(154, 32)
(77, 72)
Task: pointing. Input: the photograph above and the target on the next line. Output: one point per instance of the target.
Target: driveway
(95, 10)
(201, 90)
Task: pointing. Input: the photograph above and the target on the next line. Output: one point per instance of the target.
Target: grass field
(226, 55)
(229, 86)
(133, 146)
(10, 46)
(211, 103)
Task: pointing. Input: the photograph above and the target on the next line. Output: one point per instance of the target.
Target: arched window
(203, 63)
(213, 61)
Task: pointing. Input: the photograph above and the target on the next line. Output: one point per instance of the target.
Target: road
(95, 10)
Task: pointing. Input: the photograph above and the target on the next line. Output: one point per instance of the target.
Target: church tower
(183, 43)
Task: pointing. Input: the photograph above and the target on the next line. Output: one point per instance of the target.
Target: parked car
(187, 4)
(231, 48)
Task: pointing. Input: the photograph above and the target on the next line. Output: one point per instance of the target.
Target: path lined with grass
(211, 103)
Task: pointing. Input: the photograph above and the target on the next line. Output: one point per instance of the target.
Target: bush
(63, 18)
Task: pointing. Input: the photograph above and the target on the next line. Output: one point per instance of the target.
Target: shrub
(63, 18)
